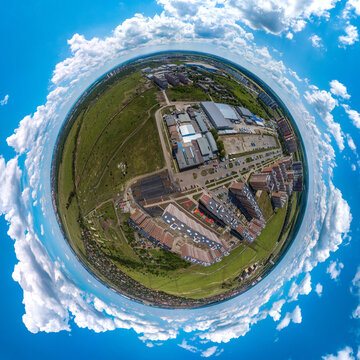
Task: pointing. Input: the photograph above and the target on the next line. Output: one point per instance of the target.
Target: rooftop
(227, 111)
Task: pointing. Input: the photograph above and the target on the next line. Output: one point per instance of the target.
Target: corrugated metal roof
(187, 130)
(216, 117)
(244, 111)
(227, 111)
(212, 142)
(201, 123)
(204, 146)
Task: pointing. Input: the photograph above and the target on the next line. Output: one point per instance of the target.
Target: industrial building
(186, 157)
(244, 112)
(200, 122)
(227, 111)
(278, 199)
(215, 116)
(246, 201)
(201, 66)
(258, 121)
(184, 118)
(205, 148)
(212, 142)
(188, 133)
(217, 211)
(267, 100)
(170, 120)
(174, 134)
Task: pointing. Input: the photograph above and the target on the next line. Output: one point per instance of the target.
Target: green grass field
(265, 205)
(69, 212)
(86, 154)
(246, 99)
(187, 93)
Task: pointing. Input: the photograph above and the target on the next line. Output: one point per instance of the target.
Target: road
(159, 121)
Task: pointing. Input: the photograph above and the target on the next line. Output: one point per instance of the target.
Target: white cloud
(353, 115)
(334, 269)
(316, 41)
(335, 226)
(188, 347)
(299, 25)
(4, 101)
(264, 52)
(338, 89)
(351, 6)
(324, 104)
(355, 289)
(209, 351)
(351, 36)
(351, 143)
(295, 317)
(319, 289)
(275, 311)
(303, 288)
(344, 354)
(353, 167)
(295, 75)
(272, 16)
(289, 35)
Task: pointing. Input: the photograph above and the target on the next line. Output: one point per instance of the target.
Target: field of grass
(108, 158)
(265, 205)
(270, 234)
(187, 93)
(85, 153)
(68, 207)
(246, 99)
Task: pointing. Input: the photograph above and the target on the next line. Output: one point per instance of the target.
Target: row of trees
(219, 143)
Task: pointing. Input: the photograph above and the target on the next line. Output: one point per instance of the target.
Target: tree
(214, 133)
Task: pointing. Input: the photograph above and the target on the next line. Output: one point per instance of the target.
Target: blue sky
(256, 36)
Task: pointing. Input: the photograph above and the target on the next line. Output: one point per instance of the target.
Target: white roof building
(188, 133)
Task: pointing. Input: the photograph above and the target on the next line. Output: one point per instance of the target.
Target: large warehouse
(215, 116)
(227, 111)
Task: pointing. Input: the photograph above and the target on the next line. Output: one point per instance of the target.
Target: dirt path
(123, 143)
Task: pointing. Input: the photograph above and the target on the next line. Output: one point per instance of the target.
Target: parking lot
(220, 170)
